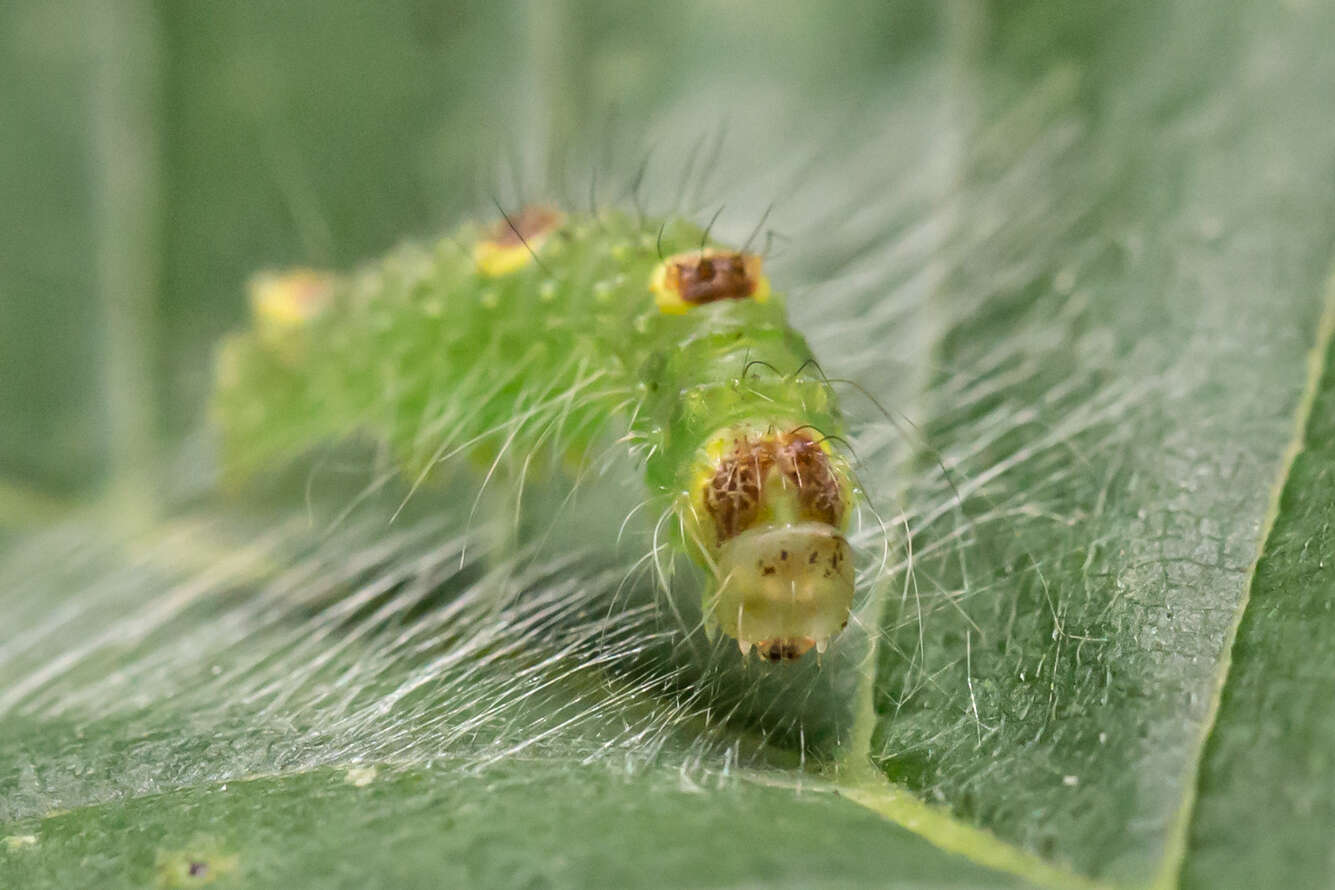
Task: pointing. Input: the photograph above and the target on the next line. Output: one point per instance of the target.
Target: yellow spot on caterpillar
(512, 242)
(283, 305)
(495, 261)
(690, 279)
(282, 301)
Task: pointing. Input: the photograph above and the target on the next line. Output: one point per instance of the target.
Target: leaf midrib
(1175, 849)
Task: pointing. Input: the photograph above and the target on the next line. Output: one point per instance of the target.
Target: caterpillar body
(538, 333)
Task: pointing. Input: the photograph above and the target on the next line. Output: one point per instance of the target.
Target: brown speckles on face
(807, 466)
(733, 494)
(783, 606)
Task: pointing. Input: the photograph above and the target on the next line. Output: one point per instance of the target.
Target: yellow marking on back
(667, 298)
(282, 301)
(495, 260)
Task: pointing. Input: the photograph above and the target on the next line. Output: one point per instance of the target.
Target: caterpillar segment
(554, 331)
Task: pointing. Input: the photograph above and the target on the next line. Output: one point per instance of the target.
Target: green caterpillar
(540, 332)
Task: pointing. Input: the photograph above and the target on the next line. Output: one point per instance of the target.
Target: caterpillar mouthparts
(784, 589)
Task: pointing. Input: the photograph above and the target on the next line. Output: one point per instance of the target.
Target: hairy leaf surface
(1066, 269)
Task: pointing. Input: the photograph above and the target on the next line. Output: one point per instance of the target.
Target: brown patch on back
(710, 276)
(528, 225)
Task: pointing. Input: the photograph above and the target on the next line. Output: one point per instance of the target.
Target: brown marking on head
(807, 466)
(733, 494)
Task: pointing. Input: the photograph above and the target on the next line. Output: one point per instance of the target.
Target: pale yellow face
(784, 589)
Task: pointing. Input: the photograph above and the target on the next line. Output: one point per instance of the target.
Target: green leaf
(1269, 759)
(1084, 254)
(530, 823)
(1143, 277)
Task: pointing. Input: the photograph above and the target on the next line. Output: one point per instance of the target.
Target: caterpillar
(539, 332)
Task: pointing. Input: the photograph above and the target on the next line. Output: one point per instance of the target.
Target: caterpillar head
(770, 509)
